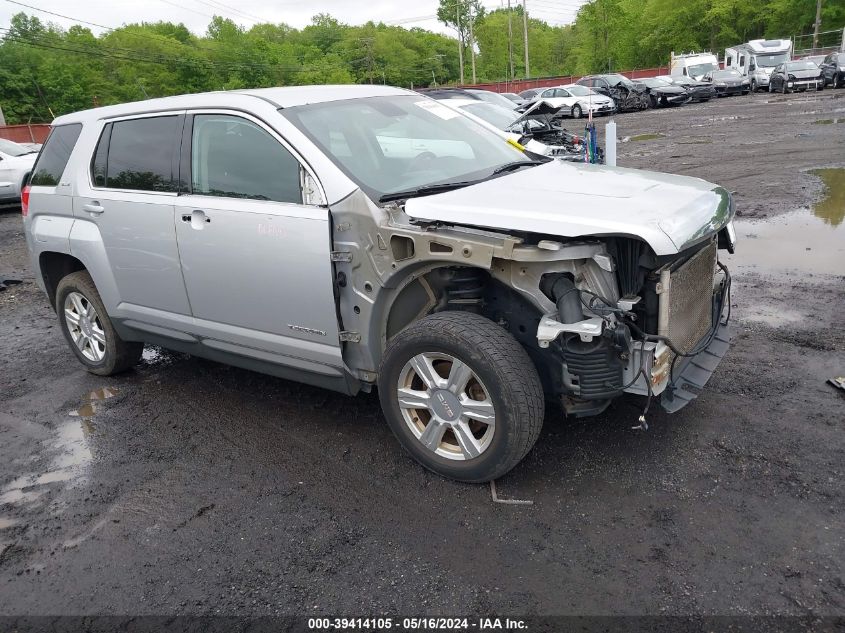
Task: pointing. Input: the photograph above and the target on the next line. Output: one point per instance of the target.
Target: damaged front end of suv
(607, 299)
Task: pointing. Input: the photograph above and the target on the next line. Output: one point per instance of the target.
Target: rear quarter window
(54, 155)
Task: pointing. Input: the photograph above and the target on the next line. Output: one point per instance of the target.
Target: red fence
(519, 85)
(34, 133)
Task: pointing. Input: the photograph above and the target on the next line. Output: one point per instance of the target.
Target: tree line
(47, 70)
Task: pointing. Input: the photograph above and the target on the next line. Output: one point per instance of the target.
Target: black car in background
(662, 93)
(833, 69)
(531, 93)
(698, 91)
(629, 96)
(800, 75)
(728, 82)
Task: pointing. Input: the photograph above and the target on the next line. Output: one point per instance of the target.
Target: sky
(196, 14)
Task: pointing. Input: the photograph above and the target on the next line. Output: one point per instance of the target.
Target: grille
(690, 299)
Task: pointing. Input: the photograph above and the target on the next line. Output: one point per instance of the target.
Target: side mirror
(752, 67)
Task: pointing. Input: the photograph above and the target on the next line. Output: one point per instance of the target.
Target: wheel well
(54, 267)
(470, 289)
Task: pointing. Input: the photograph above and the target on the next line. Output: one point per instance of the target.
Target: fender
(86, 244)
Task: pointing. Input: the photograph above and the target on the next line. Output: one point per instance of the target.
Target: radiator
(686, 299)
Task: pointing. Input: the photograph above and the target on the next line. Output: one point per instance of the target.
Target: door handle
(196, 218)
(93, 207)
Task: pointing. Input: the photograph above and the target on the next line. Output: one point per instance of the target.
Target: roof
(282, 97)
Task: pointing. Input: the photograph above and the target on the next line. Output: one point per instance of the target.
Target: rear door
(129, 195)
(256, 257)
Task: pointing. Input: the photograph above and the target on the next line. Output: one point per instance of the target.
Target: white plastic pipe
(610, 144)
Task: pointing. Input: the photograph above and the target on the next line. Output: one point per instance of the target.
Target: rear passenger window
(140, 154)
(235, 158)
(54, 155)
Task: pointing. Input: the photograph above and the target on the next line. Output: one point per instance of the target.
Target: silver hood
(669, 212)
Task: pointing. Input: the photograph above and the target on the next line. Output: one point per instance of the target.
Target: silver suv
(360, 236)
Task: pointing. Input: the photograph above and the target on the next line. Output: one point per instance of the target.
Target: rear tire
(88, 329)
(450, 379)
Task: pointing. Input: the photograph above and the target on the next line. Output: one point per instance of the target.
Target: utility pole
(472, 41)
(510, 42)
(460, 39)
(817, 25)
(525, 36)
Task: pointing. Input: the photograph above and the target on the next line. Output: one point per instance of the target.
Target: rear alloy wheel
(576, 111)
(88, 329)
(461, 395)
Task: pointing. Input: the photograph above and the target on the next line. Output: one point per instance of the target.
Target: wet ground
(188, 487)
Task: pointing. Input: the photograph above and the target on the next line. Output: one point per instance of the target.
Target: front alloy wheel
(461, 395)
(446, 406)
(576, 111)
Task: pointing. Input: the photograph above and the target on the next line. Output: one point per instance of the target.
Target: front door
(256, 260)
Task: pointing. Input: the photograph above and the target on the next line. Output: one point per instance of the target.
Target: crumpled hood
(571, 200)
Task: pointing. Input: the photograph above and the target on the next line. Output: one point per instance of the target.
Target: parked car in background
(468, 93)
(514, 97)
(265, 229)
(576, 101)
(528, 95)
(535, 129)
(833, 69)
(692, 65)
(627, 95)
(663, 94)
(796, 76)
(16, 162)
(728, 82)
(699, 91)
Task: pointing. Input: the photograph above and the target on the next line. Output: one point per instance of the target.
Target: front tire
(576, 111)
(461, 396)
(88, 329)
(837, 80)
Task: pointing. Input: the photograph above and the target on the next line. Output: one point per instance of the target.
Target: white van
(693, 65)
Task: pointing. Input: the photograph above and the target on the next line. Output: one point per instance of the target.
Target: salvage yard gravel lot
(189, 487)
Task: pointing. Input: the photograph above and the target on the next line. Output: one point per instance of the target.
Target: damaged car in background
(729, 82)
(663, 94)
(468, 280)
(628, 95)
(538, 129)
(699, 91)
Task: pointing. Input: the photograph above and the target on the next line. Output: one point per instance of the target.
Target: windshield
(768, 61)
(396, 143)
(654, 82)
(701, 69)
(801, 66)
(726, 74)
(501, 118)
(580, 91)
(13, 149)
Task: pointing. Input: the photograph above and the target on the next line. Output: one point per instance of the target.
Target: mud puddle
(810, 241)
(70, 449)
